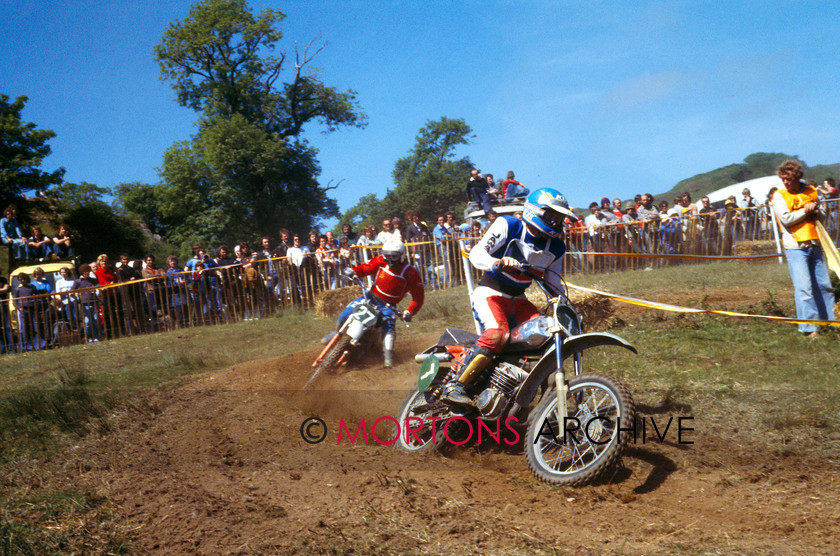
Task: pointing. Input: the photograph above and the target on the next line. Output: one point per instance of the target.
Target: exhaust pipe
(442, 357)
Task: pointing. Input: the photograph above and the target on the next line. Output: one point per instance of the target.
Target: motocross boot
(455, 390)
(388, 349)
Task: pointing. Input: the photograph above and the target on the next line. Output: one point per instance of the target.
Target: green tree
(142, 201)
(360, 213)
(95, 225)
(247, 172)
(430, 180)
(72, 194)
(765, 164)
(23, 148)
(219, 61)
(97, 229)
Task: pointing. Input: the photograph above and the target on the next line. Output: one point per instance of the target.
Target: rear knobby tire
(330, 359)
(597, 401)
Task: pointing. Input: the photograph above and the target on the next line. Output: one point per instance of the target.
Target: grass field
(759, 381)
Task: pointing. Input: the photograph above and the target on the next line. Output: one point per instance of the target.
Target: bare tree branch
(275, 72)
(330, 186)
(306, 57)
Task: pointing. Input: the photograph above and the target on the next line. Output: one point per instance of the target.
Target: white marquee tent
(759, 188)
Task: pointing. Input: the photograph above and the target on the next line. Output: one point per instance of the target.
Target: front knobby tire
(330, 359)
(601, 405)
(426, 439)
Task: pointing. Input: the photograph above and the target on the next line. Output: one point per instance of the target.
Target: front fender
(355, 329)
(572, 345)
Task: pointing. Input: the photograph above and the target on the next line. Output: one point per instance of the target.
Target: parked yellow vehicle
(52, 272)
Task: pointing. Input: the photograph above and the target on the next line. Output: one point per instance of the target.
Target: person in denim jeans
(152, 276)
(68, 301)
(28, 329)
(6, 345)
(798, 209)
(176, 284)
(477, 190)
(443, 233)
(11, 235)
(90, 304)
(269, 267)
(513, 188)
(39, 244)
(61, 243)
(326, 255)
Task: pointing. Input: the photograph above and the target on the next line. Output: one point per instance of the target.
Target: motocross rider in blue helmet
(500, 300)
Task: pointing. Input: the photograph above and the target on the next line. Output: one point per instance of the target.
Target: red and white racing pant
(496, 312)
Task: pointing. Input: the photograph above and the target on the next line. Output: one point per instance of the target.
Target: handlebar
(525, 269)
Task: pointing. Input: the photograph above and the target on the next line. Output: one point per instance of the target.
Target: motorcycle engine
(504, 378)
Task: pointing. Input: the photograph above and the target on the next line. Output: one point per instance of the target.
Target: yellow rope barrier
(678, 309)
(675, 256)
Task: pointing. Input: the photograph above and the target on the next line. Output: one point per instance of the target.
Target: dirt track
(219, 466)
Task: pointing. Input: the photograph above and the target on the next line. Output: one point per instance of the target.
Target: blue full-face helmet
(546, 209)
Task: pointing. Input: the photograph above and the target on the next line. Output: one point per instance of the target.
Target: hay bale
(596, 310)
(755, 247)
(329, 303)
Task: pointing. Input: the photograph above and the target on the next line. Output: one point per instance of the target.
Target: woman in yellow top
(798, 210)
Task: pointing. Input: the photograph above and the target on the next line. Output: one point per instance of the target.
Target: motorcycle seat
(456, 336)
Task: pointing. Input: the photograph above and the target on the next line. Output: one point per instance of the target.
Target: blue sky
(592, 98)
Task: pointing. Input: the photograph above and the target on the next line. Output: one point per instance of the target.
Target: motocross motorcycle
(576, 426)
(355, 335)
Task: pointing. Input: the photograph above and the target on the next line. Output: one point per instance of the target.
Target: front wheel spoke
(596, 402)
(578, 458)
(590, 448)
(556, 463)
(596, 407)
(562, 454)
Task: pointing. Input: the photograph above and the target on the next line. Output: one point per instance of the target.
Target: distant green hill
(756, 165)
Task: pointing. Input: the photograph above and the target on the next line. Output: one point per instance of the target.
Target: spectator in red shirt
(512, 188)
(616, 208)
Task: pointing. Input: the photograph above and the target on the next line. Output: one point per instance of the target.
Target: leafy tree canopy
(69, 195)
(98, 229)
(360, 214)
(142, 201)
(247, 172)
(23, 148)
(430, 179)
(221, 61)
(233, 182)
(95, 226)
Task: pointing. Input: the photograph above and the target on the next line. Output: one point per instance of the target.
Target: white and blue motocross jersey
(509, 237)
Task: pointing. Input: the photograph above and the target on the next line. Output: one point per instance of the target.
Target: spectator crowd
(104, 299)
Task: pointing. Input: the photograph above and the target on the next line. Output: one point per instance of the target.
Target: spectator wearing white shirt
(388, 233)
(65, 284)
(295, 255)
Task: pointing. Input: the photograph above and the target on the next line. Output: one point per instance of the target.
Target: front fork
(560, 382)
